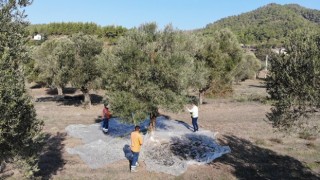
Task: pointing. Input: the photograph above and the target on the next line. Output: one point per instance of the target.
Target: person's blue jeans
(134, 158)
(105, 123)
(195, 124)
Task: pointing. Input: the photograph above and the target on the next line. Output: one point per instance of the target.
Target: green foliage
(86, 71)
(247, 68)
(294, 81)
(148, 70)
(221, 53)
(54, 62)
(112, 33)
(20, 131)
(268, 25)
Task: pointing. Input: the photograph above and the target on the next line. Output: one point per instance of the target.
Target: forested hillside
(110, 32)
(269, 25)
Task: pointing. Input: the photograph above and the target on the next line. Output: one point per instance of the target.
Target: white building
(37, 37)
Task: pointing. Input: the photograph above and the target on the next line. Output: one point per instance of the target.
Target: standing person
(106, 115)
(194, 111)
(136, 142)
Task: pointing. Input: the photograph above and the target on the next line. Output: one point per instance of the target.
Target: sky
(182, 14)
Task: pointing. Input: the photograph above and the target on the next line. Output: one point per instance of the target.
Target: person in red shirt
(106, 115)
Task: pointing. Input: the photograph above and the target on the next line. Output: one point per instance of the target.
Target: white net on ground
(170, 149)
(174, 146)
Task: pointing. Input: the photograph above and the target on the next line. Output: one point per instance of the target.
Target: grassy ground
(257, 151)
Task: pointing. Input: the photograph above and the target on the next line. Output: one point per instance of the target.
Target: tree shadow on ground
(51, 160)
(76, 100)
(67, 90)
(258, 86)
(38, 85)
(254, 162)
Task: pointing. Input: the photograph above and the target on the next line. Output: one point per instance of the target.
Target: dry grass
(257, 151)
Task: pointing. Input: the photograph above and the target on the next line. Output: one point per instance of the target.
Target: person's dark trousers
(105, 123)
(195, 124)
(134, 159)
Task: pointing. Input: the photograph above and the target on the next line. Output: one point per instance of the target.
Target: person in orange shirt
(136, 142)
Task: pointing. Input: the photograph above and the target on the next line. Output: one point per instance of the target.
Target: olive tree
(20, 130)
(147, 71)
(86, 72)
(221, 53)
(55, 62)
(247, 68)
(294, 82)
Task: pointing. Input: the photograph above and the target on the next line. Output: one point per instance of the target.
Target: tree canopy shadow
(51, 160)
(254, 162)
(75, 100)
(258, 86)
(38, 85)
(67, 90)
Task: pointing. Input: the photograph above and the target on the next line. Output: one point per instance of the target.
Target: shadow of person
(128, 154)
(253, 162)
(185, 125)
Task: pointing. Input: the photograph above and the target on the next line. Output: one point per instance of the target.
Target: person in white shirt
(194, 116)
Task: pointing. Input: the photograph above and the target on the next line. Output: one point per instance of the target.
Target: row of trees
(64, 60)
(70, 28)
(148, 69)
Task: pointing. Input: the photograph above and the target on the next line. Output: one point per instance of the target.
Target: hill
(268, 25)
(111, 33)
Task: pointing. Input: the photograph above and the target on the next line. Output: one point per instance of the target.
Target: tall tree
(20, 130)
(221, 54)
(86, 71)
(148, 70)
(294, 81)
(55, 61)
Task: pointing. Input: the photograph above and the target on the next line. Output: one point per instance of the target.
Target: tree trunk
(153, 118)
(200, 100)
(60, 91)
(87, 100)
(2, 165)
